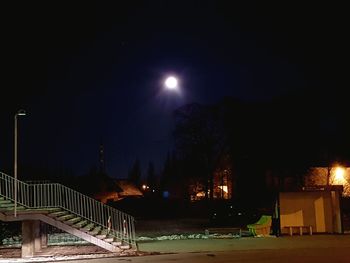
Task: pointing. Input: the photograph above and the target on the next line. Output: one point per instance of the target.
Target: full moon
(171, 83)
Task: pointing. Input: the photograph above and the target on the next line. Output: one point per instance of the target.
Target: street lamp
(19, 113)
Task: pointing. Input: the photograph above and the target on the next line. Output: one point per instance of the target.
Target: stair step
(12, 208)
(117, 243)
(9, 204)
(80, 224)
(104, 232)
(65, 217)
(54, 209)
(125, 247)
(73, 220)
(43, 210)
(101, 236)
(109, 239)
(58, 214)
(88, 227)
(8, 207)
(95, 231)
(5, 202)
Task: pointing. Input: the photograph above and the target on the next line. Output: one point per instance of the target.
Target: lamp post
(19, 113)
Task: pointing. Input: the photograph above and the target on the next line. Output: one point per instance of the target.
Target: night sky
(93, 73)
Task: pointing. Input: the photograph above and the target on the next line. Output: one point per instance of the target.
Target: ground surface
(60, 253)
(301, 249)
(316, 248)
(155, 228)
(54, 251)
(310, 255)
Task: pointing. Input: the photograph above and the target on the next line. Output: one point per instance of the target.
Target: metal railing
(54, 195)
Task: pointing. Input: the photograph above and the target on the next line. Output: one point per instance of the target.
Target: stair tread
(7, 204)
(80, 224)
(87, 228)
(5, 201)
(94, 232)
(54, 209)
(90, 225)
(124, 246)
(73, 220)
(65, 217)
(57, 214)
(83, 221)
(33, 210)
(101, 236)
(12, 208)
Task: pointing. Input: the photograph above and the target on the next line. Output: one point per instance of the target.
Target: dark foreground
(316, 248)
(337, 255)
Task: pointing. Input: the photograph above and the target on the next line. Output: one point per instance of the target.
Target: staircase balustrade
(54, 195)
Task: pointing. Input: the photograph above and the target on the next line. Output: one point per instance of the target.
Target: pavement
(247, 243)
(315, 248)
(336, 255)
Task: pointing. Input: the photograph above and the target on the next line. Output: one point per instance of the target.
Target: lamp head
(21, 113)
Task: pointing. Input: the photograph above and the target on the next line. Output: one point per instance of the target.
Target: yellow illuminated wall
(319, 209)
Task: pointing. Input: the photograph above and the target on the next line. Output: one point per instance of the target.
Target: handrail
(52, 195)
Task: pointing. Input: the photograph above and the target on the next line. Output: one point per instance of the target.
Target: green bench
(261, 227)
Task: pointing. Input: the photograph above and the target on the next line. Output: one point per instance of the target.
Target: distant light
(171, 82)
(200, 194)
(224, 188)
(339, 175)
(144, 187)
(166, 194)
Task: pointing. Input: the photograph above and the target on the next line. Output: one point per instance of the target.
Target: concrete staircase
(65, 209)
(65, 221)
